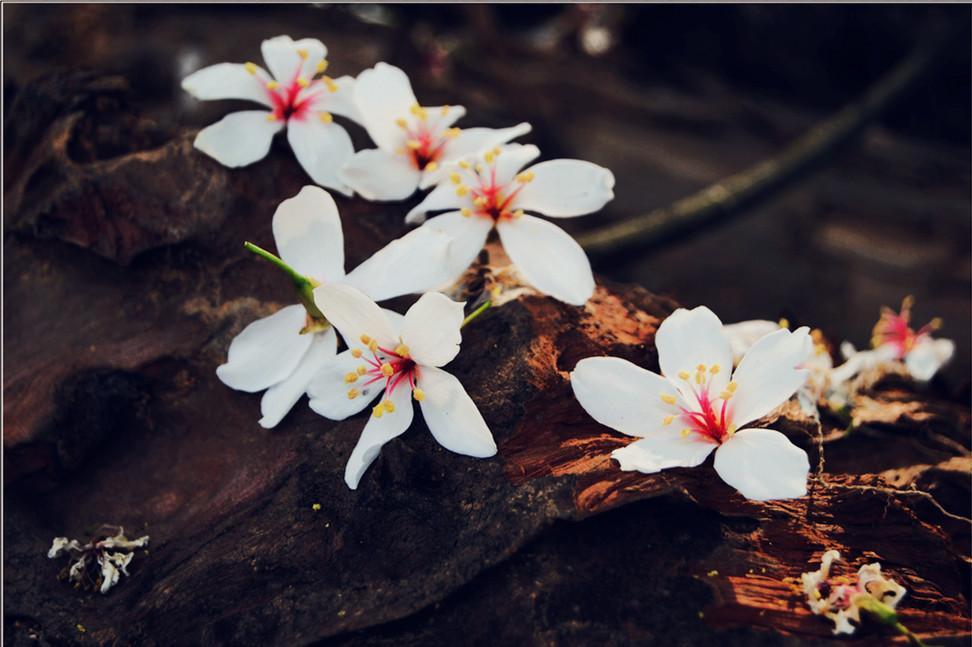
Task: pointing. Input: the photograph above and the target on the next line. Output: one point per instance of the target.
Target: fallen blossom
(416, 145)
(96, 564)
(699, 404)
(281, 353)
(495, 191)
(300, 98)
(395, 359)
(841, 599)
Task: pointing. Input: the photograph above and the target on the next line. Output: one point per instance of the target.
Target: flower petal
(228, 81)
(328, 390)
(467, 237)
(383, 95)
(239, 138)
(283, 56)
(431, 329)
(322, 150)
(380, 175)
(548, 258)
(566, 188)
(440, 198)
(266, 352)
(512, 159)
(769, 373)
(307, 230)
(452, 416)
(354, 314)
(376, 433)
(688, 338)
(928, 356)
(340, 102)
(763, 464)
(415, 263)
(743, 335)
(281, 397)
(623, 396)
(661, 451)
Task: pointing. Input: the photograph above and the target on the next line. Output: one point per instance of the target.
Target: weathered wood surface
(125, 281)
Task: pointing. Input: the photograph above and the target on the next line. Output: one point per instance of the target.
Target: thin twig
(917, 493)
(729, 196)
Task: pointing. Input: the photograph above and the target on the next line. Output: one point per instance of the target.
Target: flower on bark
(416, 145)
(300, 98)
(841, 599)
(395, 359)
(281, 353)
(699, 404)
(98, 564)
(494, 190)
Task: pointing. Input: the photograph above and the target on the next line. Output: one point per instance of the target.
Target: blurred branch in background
(727, 198)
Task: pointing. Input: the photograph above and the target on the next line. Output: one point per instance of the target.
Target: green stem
(475, 313)
(304, 285)
(912, 638)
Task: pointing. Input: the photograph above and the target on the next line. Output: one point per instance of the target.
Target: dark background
(671, 98)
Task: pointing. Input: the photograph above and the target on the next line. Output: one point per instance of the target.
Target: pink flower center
(707, 416)
(391, 369)
(290, 103)
(894, 329)
(489, 197)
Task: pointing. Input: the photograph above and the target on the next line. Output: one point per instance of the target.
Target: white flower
(416, 145)
(299, 99)
(744, 334)
(111, 564)
(282, 352)
(492, 191)
(397, 358)
(841, 600)
(696, 407)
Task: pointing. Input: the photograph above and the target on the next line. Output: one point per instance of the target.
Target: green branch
(304, 285)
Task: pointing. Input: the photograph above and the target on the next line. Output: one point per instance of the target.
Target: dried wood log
(117, 317)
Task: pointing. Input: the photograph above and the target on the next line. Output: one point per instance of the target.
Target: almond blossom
(841, 599)
(95, 564)
(416, 144)
(300, 98)
(281, 353)
(699, 404)
(395, 359)
(493, 191)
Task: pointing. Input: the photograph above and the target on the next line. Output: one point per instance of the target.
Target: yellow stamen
(387, 370)
(377, 411)
(302, 53)
(935, 323)
(480, 202)
(451, 133)
(388, 405)
(271, 117)
(668, 399)
(272, 85)
(700, 368)
(725, 395)
(401, 350)
(373, 345)
(418, 394)
(444, 110)
(353, 393)
(517, 214)
(322, 66)
(731, 387)
(419, 112)
(329, 84)
(466, 211)
(325, 117)
(250, 67)
(454, 178)
(714, 369)
(685, 432)
(668, 420)
(365, 339)
(361, 370)
(431, 166)
(350, 378)
(356, 353)
(302, 82)
(413, 144)
(784, 323)
(525, 177)
(907, 302)
(489, 157)
(462, 190)
(463, 164)
(401, 123)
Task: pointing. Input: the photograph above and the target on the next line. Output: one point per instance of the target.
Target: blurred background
(671, 98)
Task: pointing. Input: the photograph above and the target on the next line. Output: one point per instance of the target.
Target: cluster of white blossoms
(477, 182)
